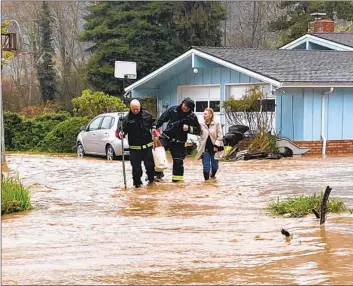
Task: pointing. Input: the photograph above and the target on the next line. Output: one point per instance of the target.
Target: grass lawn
(14, 196)
(303, 205)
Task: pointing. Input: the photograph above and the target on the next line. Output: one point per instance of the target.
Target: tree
(247, 23)
(294, 23)
(21, 74)
(94, 103)
(71, 58)
(198, 23)
(21, 87)
(149, 33)
(5, 56)
(45, 64)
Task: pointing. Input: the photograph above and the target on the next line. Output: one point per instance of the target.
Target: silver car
(99, 137)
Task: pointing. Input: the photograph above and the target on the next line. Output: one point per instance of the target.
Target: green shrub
(12, 125)
(63, 136)
(24, 135)
(28, 136)
(52, 116)
(263, 142)
(301, 206)
(14, 197)
(50, 120)
(94, 103)
(249, 102)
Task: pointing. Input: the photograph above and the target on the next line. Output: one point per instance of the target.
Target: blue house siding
(208, 73)
(313, 46)
(298, 114)
(142, 92)
(347, 117)
(300, 47)
(290, 114)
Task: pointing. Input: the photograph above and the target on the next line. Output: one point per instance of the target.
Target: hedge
(37, 133)
(63, 136)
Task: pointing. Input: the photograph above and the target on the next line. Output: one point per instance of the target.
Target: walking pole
(122, 147)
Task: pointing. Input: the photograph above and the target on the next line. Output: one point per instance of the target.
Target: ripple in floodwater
(90, 230)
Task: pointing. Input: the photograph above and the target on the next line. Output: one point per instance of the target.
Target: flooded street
(89, 230)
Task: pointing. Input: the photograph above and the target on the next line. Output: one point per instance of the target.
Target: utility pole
(8, 43)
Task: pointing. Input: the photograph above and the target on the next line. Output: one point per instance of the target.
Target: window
(95, 124)
(268, 105)
(201, 105)
(215, 105)
(112, 122)
(106, 122)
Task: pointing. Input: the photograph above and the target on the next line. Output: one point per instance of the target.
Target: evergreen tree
(198, 23)
(149, 33)
(45, 63)
(294, 23)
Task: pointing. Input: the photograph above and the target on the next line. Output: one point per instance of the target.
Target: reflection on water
(89, 230)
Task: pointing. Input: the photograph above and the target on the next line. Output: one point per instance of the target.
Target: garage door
(203, 96)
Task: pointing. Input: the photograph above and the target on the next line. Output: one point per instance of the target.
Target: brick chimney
(320, 25)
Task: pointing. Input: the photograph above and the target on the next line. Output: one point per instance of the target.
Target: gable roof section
(273, 66)
(210, 57)
(334, 41)
(340, 38)
(291, 66)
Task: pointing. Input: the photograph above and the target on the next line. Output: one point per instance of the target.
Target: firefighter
(137, 124)
(181, 121)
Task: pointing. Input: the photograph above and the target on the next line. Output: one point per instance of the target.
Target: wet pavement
(88, 230)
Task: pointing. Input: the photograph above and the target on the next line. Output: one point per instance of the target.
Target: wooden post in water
(324, 205)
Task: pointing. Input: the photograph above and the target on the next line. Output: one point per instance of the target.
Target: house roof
(332, 41)
(340, 38)
(290, 65)
(274, 66)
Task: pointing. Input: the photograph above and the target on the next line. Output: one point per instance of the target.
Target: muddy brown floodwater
(89, 230)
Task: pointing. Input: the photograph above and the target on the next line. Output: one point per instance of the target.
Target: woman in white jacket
(211, 142)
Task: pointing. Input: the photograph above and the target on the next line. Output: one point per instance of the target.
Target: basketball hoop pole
(122, 146)
(124, 79)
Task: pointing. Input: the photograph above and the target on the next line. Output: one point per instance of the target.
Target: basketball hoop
(125, 70)
(130, 76)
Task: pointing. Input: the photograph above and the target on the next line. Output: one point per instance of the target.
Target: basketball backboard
(125, 69)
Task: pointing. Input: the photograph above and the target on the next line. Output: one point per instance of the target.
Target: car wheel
(110, 153)
(80, 151)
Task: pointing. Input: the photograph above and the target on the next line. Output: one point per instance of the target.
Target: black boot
(206, 175)
(150, 181)
(213, 174)
(137, 184)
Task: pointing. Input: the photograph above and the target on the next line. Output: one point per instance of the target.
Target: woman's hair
(211, 111)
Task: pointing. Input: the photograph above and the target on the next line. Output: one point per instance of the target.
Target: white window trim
(229, 85)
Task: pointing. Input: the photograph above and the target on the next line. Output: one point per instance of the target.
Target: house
(322, 41)
(322, 36)
(312, 89)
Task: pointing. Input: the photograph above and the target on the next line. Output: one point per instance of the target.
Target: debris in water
(316, 213)
(324, 205)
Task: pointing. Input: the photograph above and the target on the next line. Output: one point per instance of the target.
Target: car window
(95, 124)
(112, 122)
(106, 122)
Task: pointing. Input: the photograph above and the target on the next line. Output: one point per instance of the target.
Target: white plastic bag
(220, 155)
(160, 158)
